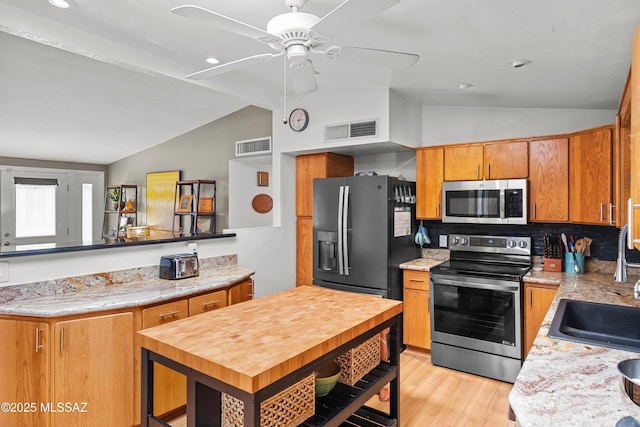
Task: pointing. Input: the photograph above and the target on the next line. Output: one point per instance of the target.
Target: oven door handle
(461, 282)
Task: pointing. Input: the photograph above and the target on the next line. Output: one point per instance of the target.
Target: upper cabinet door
(590, 176)
(506, 160)
(463, 162)
(549, 180)
(429, 176)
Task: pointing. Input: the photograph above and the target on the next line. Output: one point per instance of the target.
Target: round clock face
(299, 119)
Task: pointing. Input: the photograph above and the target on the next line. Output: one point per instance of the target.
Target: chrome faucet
(620, 274)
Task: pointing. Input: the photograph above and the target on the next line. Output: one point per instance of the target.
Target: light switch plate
(192, 247)
(4, 271)
(443, 240)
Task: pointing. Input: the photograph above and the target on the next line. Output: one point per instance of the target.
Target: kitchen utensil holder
(553, 264)
(569, 263)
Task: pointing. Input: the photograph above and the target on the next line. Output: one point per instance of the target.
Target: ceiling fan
(299, 35)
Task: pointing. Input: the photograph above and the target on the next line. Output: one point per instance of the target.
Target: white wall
(34, 268)
(451, 125)
(327, 107)
(243, 187)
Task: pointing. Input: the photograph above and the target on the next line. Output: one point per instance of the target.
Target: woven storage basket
(357, 362)
(288, 408)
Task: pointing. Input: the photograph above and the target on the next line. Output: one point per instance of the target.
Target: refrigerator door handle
(345, 234)
(340, 209)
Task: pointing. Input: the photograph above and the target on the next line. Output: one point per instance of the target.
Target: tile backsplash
(604, 246)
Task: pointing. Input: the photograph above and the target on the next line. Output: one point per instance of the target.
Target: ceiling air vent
(350, 130)
(253, 147)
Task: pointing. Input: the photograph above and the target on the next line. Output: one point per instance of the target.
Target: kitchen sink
(604, 325)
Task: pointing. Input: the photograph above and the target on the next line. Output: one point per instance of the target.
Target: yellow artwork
(161, 196)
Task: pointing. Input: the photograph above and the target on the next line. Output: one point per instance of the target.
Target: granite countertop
(150, 290)
(421, 264)
(563, 383)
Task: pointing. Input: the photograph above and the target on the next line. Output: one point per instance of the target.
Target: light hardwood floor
(435, 396)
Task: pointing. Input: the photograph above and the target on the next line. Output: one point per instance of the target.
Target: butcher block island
(255, 352)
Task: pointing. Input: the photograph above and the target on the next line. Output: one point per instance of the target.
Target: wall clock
(299, 119)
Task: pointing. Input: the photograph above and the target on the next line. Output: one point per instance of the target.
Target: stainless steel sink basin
(604, 325)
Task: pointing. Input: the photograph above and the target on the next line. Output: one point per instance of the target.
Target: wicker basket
(359, 361)
(288, 408)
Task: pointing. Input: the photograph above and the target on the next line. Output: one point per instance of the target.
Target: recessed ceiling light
(59, 3)
(213, 61)
(520, 63)
(464, 85)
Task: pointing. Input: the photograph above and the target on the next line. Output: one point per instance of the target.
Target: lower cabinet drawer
(207, 302)
(165, 313)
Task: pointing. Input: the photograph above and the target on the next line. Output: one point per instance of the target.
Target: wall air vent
(253, 147)
(350, 130)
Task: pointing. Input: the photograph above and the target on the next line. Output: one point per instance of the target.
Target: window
(35, 207)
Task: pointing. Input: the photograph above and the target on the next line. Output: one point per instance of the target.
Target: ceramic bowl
(326, 378)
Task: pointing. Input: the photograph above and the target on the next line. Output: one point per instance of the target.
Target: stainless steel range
(476, 305)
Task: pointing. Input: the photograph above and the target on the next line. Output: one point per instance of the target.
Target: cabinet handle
(478, 171)
(205, 304)
(530, 298)
(62, 338)
(611, 221)
(38, 345)
(429, 304)
(601, 215)
(438, 210)
(171, 313)
(489, 171)
(251, 293)
(535, 211)
(416, 280)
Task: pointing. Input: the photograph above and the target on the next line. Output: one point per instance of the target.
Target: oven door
(477, 313)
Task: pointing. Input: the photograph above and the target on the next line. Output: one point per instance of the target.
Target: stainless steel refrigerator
(363, 229)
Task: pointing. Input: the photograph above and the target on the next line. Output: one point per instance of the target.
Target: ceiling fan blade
(224, 22)
(230, 66)
(377, 57)
(303, 77)
(351, 13)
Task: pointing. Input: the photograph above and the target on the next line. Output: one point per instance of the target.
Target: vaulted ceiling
(104, 79)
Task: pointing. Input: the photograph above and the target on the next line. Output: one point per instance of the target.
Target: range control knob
(522, 244)
(464, 241)
(455, 240)
(512, 243)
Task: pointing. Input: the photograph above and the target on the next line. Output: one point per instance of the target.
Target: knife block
(552, 264)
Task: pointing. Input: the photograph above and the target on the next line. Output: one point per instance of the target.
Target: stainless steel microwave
(502, 201)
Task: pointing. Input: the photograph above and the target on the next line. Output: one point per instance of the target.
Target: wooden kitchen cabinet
(429, 177)
(24, 357)
(549, 180)
(537, 299)
(241, 292)
(320, 165)
(463, 162)
(506, 160)
(590, 176)
(417, 313)
(171, 386)
(634, 221)
(309, 167)
(93, 364)
(304, 251)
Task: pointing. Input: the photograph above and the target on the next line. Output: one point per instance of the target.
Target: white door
(33, 208)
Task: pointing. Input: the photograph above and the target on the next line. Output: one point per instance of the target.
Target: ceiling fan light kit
(300, 34)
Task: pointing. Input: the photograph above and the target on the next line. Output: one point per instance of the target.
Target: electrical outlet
(4, 271)
(443, 240)
(192, 247)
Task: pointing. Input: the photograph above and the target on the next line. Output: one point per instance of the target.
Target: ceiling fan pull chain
(284, 85)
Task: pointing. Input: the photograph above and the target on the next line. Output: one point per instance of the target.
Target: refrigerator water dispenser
(327, 245)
